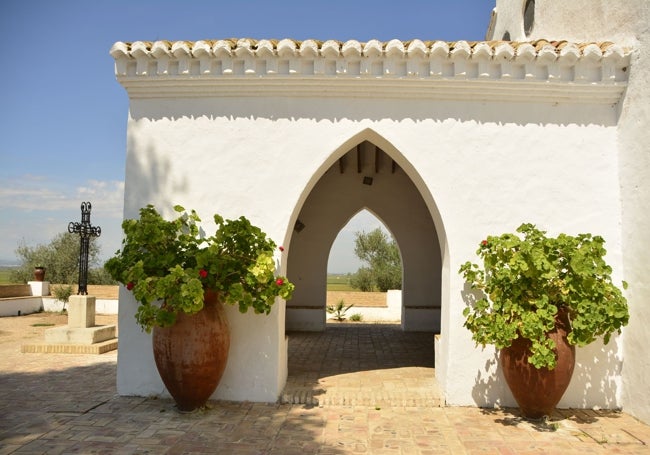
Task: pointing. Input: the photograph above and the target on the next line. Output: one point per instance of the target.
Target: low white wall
(102, 306)
(26, 305)
(20, 305)
(256, 369)
(390, 313)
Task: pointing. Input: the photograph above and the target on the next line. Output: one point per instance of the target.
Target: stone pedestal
(81, 311)
(39, 288)
(81, 335)
(88, 335)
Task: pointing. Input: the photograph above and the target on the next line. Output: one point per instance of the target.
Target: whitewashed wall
(489, 135)
(482, 168)
(626, 23)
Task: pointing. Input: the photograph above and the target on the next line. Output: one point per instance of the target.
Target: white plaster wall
(626, 22)
(509, 19)
(634, 146)
(392, 312)
(482, 168)
(27, 305)
(562, 177)
(20, 305)
(588, 20)
(576, 21)
(102, 306)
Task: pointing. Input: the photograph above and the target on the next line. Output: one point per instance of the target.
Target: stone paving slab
(67, 403)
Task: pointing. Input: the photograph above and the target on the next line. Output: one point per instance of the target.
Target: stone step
(353, 397)
(69, 348)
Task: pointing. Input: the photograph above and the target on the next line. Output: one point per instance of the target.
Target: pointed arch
(367, 171)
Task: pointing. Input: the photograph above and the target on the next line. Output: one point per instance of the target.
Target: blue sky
(63, 114)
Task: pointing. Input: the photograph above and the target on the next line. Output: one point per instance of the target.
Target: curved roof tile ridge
(312, 46)
(373, 48)
(395, 47)
(351, 48)
(417, 48)
(227, 65)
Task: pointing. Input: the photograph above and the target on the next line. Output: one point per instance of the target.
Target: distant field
(5, 275)
(337, 282)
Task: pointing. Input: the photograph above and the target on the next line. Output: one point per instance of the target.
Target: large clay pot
(191, 355)
(538, 391)
(39, 273)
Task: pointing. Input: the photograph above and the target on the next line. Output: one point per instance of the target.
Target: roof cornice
(540, 71)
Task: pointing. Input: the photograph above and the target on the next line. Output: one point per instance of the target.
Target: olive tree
(60, 257)
(383, 270)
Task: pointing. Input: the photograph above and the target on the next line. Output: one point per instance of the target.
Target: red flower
(279, 281)
(130, 285)
(484, 243)
(281, 248)
(203, 273)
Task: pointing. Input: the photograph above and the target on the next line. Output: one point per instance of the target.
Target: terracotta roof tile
(587, 72)
(253, 44)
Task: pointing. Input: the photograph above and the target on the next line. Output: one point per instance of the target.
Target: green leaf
(524, 280)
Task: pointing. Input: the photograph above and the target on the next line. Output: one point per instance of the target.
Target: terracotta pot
(39, 273)
(191, 355)
(538, 391)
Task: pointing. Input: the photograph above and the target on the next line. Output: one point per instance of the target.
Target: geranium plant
(169, 264)
(524, 282)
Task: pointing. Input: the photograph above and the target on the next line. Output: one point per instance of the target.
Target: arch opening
(364, 176)
(529, 17)
(374, 290)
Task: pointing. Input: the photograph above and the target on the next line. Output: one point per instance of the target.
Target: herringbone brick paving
(67, 403)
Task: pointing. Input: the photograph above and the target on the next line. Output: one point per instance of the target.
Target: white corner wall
(633, 144)
(579, 21)
(626, 23)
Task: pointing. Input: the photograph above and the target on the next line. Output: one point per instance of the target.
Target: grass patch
(42, 324)
(5, 275)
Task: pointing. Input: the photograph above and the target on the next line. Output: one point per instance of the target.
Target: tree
(61, 259)
(384, 266)
(362, 280)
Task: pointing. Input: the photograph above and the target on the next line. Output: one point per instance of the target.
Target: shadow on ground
(362, 364)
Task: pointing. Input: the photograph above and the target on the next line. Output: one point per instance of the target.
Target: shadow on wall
(149, 178)
(489, 384)
(595, 380)
(596, 377)
(593, 383)
(333, 110)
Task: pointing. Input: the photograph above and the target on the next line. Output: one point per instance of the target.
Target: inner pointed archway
(365, 176)
(342, 258)
(373, 284)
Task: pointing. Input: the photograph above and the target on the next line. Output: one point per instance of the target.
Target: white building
(444, 142)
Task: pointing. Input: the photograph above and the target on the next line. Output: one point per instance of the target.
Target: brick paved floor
(66, 403)
(361, 364)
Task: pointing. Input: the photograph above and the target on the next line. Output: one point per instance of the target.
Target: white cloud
(30, 192)
(109, 193)
(36, 208)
